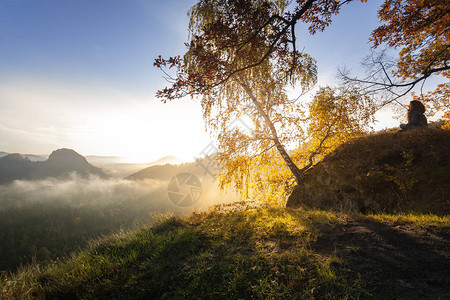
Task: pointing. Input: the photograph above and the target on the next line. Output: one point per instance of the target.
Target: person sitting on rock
(416, 117)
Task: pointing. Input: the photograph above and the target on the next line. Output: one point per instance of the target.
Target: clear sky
(78, 74)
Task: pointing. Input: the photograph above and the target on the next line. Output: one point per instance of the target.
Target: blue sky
(113, 42)
(79, 74)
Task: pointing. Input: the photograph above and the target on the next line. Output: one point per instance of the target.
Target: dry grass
(383, 172)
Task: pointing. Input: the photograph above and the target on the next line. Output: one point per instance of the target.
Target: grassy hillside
(384, 172)
(270, 253)
(242, 251)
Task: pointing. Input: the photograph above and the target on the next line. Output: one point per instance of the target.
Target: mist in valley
(45, 220)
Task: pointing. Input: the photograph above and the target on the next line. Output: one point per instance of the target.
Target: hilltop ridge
(387, 171)
(59, 164)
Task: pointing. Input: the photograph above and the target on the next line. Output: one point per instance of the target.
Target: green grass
(254, 253)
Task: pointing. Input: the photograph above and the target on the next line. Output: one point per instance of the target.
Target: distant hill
(169, 159)
(32, 157)
(116, 167)
(61, 162)
(199, 168)
(382, 172)
(161, 172)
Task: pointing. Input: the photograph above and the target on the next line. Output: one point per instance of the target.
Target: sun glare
(145, 134)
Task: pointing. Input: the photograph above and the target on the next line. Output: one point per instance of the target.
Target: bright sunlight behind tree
(241, 60)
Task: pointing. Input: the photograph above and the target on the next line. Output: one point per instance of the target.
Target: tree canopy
(241, 59)
(235, 29)
(420, 31)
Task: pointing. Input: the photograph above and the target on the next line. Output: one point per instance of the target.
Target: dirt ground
(397, 261)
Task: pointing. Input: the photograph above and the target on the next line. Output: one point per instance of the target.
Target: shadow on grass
(269, 253)
(251, 254)
(395, 261)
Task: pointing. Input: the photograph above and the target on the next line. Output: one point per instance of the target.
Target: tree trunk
(298, 174)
